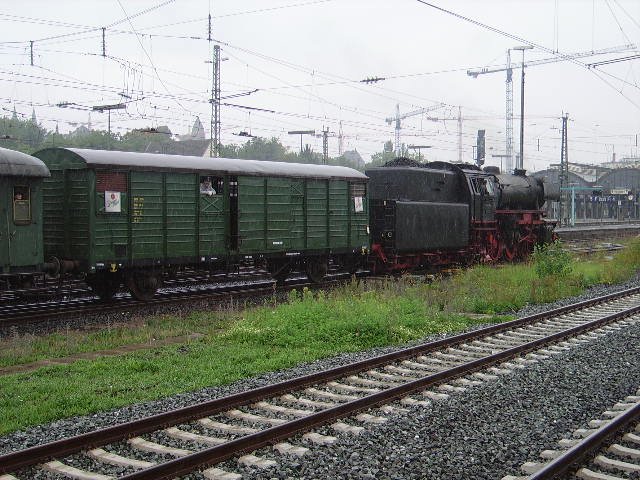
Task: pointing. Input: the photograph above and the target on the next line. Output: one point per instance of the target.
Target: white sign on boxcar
(112, 202)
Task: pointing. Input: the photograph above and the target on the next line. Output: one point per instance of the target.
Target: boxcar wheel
(316, 269)
(105, 286)
(351, 264)
(143, 286)
(26, 282)
(279, 269)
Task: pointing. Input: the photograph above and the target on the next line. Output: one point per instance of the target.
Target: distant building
(602, 192)
(197, 132)
(625, 162)
(192, 144)
(588, 173)
(164, 130)
(81, 131)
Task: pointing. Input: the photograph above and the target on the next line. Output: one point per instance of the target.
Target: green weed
(551, 260)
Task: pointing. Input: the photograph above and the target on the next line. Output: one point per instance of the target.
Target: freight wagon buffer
(132, 217)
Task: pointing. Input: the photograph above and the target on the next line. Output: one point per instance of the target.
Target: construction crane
(509, 85)
(399, 117)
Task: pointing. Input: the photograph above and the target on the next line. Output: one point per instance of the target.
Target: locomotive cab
(484, 197)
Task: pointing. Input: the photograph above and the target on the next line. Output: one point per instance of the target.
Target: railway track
(597, 230)
(25, 315)
(188, 287)
(199, 437)
(68, 290)
(611, 444)
(590, 247)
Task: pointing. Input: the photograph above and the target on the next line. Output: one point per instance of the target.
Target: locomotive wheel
(316, 269)
(509, 252)
(493, 249)
(105, 286)
(278, 269)
(398, 273)
(143, 285)
(526, 249)
(521, 247)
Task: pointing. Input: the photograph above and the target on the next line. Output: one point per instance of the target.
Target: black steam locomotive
(426, 215)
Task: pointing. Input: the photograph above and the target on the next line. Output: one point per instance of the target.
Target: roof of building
(624, 162)
(158, 162)
(588, 173)
(18, 164)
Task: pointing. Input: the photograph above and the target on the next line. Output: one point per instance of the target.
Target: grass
(29, 348)
(264, 339)
(237, 344)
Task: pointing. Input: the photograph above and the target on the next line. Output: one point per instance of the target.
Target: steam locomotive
(125, 218)
(428, 215)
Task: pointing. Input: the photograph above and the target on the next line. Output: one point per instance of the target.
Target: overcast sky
(306, 58)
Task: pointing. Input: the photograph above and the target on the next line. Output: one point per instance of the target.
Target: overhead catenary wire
(344, 81)
(526, 42)
(268, 102)
(91, 28)
(613, 14)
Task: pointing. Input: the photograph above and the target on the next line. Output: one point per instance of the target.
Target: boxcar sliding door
(181, 221)
(147, 236)
(5, 217)
(213, 228)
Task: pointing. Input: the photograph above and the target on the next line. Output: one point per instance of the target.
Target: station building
(606, 192)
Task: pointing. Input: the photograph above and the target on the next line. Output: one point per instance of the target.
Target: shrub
(551, 260)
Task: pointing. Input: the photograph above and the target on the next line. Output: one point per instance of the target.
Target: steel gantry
(398, 118)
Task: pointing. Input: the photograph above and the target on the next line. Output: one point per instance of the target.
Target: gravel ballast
(486, 432)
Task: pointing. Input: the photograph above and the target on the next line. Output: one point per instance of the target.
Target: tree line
(28, 136)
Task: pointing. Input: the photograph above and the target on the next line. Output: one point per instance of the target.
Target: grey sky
(306, 58)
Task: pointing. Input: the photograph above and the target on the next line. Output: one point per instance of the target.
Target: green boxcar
(128, 217)
(21, 250)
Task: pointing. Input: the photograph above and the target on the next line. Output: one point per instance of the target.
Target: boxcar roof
(153, 161)
(18, 164)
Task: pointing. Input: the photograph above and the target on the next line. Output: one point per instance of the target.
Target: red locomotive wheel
(509, 253)
(493, 248)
